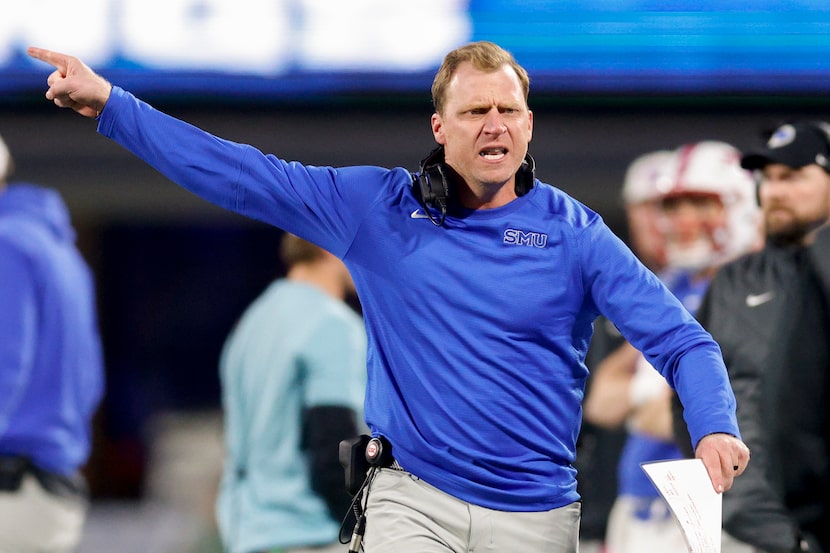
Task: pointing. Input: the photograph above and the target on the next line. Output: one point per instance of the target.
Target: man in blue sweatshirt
(51, 375)
(479, 286)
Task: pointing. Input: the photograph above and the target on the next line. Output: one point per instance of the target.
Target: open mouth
(493, 154)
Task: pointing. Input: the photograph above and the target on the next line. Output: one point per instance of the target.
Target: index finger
(712, 462)
(56, 59)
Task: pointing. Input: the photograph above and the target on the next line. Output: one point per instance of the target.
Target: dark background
(174, 272)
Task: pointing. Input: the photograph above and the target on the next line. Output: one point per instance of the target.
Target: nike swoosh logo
(418, 214)
(754, 300)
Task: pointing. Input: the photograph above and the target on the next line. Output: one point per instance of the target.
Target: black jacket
(768, 312)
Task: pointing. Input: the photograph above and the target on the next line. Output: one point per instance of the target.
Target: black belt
(396, 465)
(14, 467)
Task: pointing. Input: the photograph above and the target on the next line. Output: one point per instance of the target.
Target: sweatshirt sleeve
(324, 205)
(654, 321)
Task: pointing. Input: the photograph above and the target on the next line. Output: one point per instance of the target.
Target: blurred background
(331, 83)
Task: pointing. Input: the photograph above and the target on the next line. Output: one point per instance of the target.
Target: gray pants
(407, 515)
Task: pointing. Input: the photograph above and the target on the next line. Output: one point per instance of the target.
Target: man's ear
(437, 125)
(529, 125)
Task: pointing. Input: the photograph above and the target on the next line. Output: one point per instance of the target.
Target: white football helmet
(640, 184)
(713, 168)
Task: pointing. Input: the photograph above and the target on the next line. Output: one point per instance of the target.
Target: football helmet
(711, 168)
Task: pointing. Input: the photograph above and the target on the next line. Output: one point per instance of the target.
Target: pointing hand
(73, 84)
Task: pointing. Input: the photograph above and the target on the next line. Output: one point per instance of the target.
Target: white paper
(686, 487)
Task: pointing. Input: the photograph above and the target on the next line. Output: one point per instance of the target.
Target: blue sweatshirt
(477, 329)
(642, 448)
(51, 375)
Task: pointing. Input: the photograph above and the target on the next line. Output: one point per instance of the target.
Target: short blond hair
(295, 250)
(485, 56)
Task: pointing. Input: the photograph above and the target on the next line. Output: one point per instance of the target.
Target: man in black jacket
(769, 312)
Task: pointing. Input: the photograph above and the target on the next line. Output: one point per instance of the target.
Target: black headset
(434, 183)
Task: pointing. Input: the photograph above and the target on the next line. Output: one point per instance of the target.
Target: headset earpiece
(431, 185)
(434, 188)
(526, 176)
(434, 184)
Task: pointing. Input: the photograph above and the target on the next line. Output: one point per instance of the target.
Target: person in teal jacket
(479, 286)
(293, 375)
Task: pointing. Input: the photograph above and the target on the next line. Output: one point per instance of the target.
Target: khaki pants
(33, 520)
(407, 515)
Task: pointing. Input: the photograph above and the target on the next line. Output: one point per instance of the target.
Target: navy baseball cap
(794, 145)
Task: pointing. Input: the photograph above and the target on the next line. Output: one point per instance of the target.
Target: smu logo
(518, 237)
